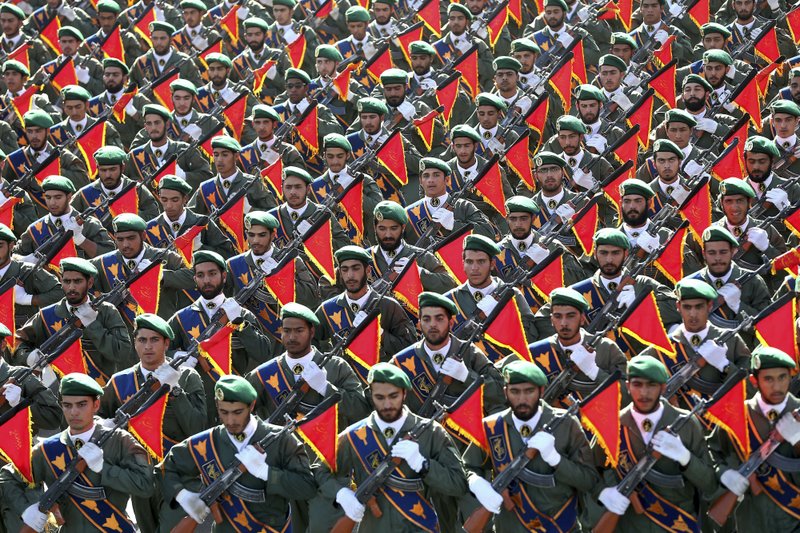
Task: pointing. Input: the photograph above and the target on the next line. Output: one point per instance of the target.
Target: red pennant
(273, 177)
(766, 46)
(7, 215)
(297, 50)
(169, 169)
(670, 261)
(125, 203)
(490, 187)
(22, 103)
(16, 443)
(185, 243)
(730, 165)
(775, 325)
(162, 92)
(230, 23)
(392, 155)
(764, 79)
(65, 75)
(217, 349)
(644, 324)
(21, 54)
(429, 14)
(319, 248)
(506, 330)
(260, 76)
(700, 12)
(449, 253)
(600, 416)
(380, 63)
(142, 27)
(365, 347)
(549, 278)
(49, 36)
(408, 36)
(467, 65)
(88, 143)
(579, 63)
(321, 435)
(282, 284)
(786, 261)
(585, 224)
(610, 11)
(465, 423)
(425, 126)
(71, 360)
(232, 220)
(747, 101)
(537, 119)
(561, 82)
(515, 11)
(67, 250)
(730, 413)
(112, 46)
(408, 288)
(793, 21)
(625, 13)
(122, 103)
(7, 303)
(324, 10)
(697, 210)
(519, 161)
(738, 135)
(148, 427)
(642, 114)
(234, 115)
(146, 290)
(663, 83)
(308, 131)
(496, 25)
(353, 205)
(663, 54)
(446, 96)
(342, 81)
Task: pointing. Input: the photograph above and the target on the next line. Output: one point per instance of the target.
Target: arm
(110, 338)
(290, 478)
(131, 472)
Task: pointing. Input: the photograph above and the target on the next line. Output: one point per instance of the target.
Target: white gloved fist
(191, 362)
(166, 375)
(463, 45)
(399, 264)
(729, 107)
(537, 253)
(534, 80)
(193, 505)
(254, 461)
(130, 109)
(626, 296)
(359, 318)
(583, 178)
(631, 80)
(408, 450)
(679, 193)
(773, 4)
(495, 145)
(622, 101)
(597, 142)
(33, 357)
(714, 354)
(778, 198)
(272, 72)
(759, 237)
(34, 518)
(585, 361)
(427, 83)
(456, 369)
(407, 110)
(242, 13)
(693, 168)
(316, 377)
(12, 393)
(661, 36)
(193, 131)
(21, 296)
(546, 444)
(735, 482)
(614, 500)
(82, 74)
(796, 151)
(445, 217)
(229, 94)
(732, 295)
(353, 508)
(583, 14)
(86, 313)
(670, 445)
(490, 499)
(648, 243)
(93, 455)
(565, 212)
(77, 230)
(707, 124)
(565, 39)
(731, 73)
(675, 10)
(487, 304)
(303, 227)
(789, 428)
(67, 12)
(232, 308)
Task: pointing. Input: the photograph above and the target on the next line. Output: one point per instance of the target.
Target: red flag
(446, 95)
(766, 46)
(786, 261)
(425, 126)
(579, 63)
(21, 54)
(747, 101)
(143, 26)
(308, 131)
(642, 114)
(519, 162)
(168, 169)
(729, 165)
(148, 427)
(610, 11)
(549, 278)
(146, 289)
(273, 176)
(449, 253)
(217, 349)
(71, 360)
(624, 150)
(365, 347)
(663, 54)
(282, 283)
(625, 13)
(234, 115)
(663, 83)
(490, 186)
(392, 155)
(496, 25)
(738, 137)
(600, 416)
(465, 423)
(297, 50)
(232, 220)
(730, 413)
(260, 76)
(187, 242)
(353, 206)
(793, 21)
(7, 215)
(342, 80)
(774, 326)
(584, 225)
(7, 303)
(22, 103)
(507, 331)
(88, 143)
(16, 443)
(324, 10)
(408, 36)
(49, 35)
(230, 23)
(764, 79)
(125, 203)
(64, 75)
(380, 63)
(467, 65)
(515, 10)
(644, 324)
(561, 82)
(319, 248)
(429, 14)
(536, 118)
(409, 287)
(697, 209)
(162, 92)
(112, 46)
(119, 107)
(321, 434)
(700, 12)
(670, 261)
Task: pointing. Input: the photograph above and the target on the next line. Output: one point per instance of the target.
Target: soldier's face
(714, 41)
(694, 96)
(527, 59)
(109, 175)
(234, 415)
(694, 313)
(569, 141)
(506, 80)
(5, 252)
(173, 203)
(264, 127)
(151, 348)
(156, 127)
(488, 116)
(218, 73)
(434, 322)
(210, 279)
(335, 159)
(296, 90)
(296, 335)
(79, 412)
(129, 243)
(182, 101)
(389, 233)
(325, 67)
(388, 400)
(785, 124)
(744, 9)
(10, 24)
(794, 88)
(353, 275)
(714, 73)
(554, 16)
(464, 149)
(523, 398)
(456, 23)
(610, 78)
(477, 266)
(634, 210)
(773, 384)
(57, 202)
(610, 258)
(76, 286)
(357, 29)
(679, 133)
(259, 238)
(113, 79)
(75, 109)
(550, 177)
(758, 166)
(476, 6)
(622, 51)
(651, 11)
(667, 165)
(433, 182)
(421, 63)
(255, 38)
(520, 224)
(106, 21)
(37, 137)
(566, 320)
(381, 12)
(295, 191)
(645, 394)
(735, 208)
(282, 14)
(588, 110)
(395, 94)
(224, 161)
(191, 17)
(14, 80)
(718, 257)
(371, 122)
(69, 45)
(161, 42)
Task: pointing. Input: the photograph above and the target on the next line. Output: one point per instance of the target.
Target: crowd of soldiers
(93, 339)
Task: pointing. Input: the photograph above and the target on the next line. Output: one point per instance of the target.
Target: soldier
(323, 90)
(424, 79)
(457, 41)
(68, 16)
(255, 56)
(193, 36)
(115, 80)
(139, 9)
(715, 37)
(75, 101)
(747, 27)
(163, 57)
(678, 128)
(600, 132)
(669, 185)
(285, 31)
(481, 11)
(487, 117)
(120, 458)
(761, 155)
(784, 120)
(273, 476)
(555, 36)
(184, 411)
(697, 97)
(88, 70)
(526, 52)
(359, 42)
(107, 13)
(654, 27)
(12, 19)
(548, 488)
(619, 97)
(24, 209)
(553, 199)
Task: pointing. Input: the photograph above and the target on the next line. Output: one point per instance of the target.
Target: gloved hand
(130, 109)
(534, 80)
(596, 142)
(546, 444)
(729, 107)
(487, 304)
(166, 375)
(735, 482)
(445, 217)
(93, 455)
(144, 263)
(334, 14)
(796, 151)
(614, 500)
(399, 264)
(583, 14)
(408, 450)
(407, 110)
(731, 73)
(193, 131)
(303, 227)
(82, 74)
(537, 253)
(33, 357)
(707, 124)
(565, 212)
(107, 423)
(232, 308)
(272, 72)
(359, 318)
(193, 505)
(34, 518)
(583, 178)
(789, 428)
(759, 238)
(30, 258)
(631, 80)
(242, 13)
(490, 499)
(21, 296)
(732, 295)
(316, 377)
(565, 39)
(585, 361)
(463, 45)
(255, 462)
(622, 101)
(675, 10)
(661, 36)
(626, 296)
(679, 194)
(495, 145)
(191, 362)
(353, 508)
(67, 12)
(77, 230)
(773, 4)
(670, 445)
(369, 49)
(647, 242)
(714, 354)
(427, 83)
(86, 314)
(693, 168)
(455, 369)
(12, 394)
(228, 94)
(778, 198)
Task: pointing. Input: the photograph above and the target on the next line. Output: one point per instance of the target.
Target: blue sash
(422, 380)
(145, 161)
(242, 274)
(52, 323)
(275, 380)
(337, 316)
(596, 302)
(126, 385)
(507, 264)
(419, 217)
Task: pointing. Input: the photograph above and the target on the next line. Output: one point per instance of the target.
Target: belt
(701, 385)
(404, 484)
(247, 494)
(84, 492)
(664, 480)
(783, 463)
(537, 480)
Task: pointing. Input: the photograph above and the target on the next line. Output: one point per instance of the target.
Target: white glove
(77, 230)
(597, 142)
(789, 428)
(583, 178)
(731, 72)
(33, 357)
(21, 297)
(759, 238)
(272, 72)
(35, 519)
(648, 242)
(399, 264)
(455, 369)
(735, 482)
(189, 363)
(583, 14)
(534, 80)
(778, 198)
(232, 308)
(93, 455)
(30, 258)
(359, 318)
(585, 361)
(693, 168)
(714, 354)
(670, 445)
(353, 508)
(565, 212)
(631, 80)
(67, 12)
(193, 131)
(546, 444)
(796, 151)
(86, 314)
(707, 124)
(303, 227)
(82, 74)
(614, 500)
(490, 499)
(407, 110)
(732, 295)
(675, 10)
(565, 39)
(661, 36)
(626, 296)
(487, 304)
(445, 217)
(408, 450)
(495, 145)
(166, 375)
(193, 505)
(12, 394)
(242, 13)
(144, 263)
(463, 45)
(773, 4)
(254, 461)
(427, 83)
(622, 101)
(130, 109)
(316, 377)
(369, 49)
(334, 12)
(729, 107)
(537, 253)
(107, 423)
(679, 194)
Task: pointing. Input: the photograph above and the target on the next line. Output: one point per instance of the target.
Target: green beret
(356, 14)
(37, 119)
(287, 3)
(265, 111)
(612, 237)
(297, 172)
(372, 105)
(570, 297)
(421, 47)
(619, 37)
(183, 85)
(481, 244)
(717, 56)
(464, 130)
(785, 106)
(207, 256)
(70, 31)
(718, 233)
(107, 6)
(768, 357)
(128, 222)
(328, 51)
(234, 389)
(219, 58)
(665, 145)
(519, 371)
(434, 299)
(260, 218)
(389, 373)
(387, 209)
(611, 60)
(713, 27)
(6, 234)
(521, 204)
(193, 4)
(58, 183)
(490, 100)
(556, 3)
(694, 289)
(297, 74)
(75, 92)
(734, 186)
(434, 162)
(464, 10)
(351, 252)
(647, 367)
(296, 310)
(637, 187)
(698, 79)
(77, 264)
(761, 145)
(525, 45)
(77, 384)
(154, 323)
(589, 92)
(336, 140)
(570, 123)
(4, 331)
(155, 109)
(226, 142)
(680, 115)
(171, 182)
(256, 22)
(115, 63)
(507, 63)
(394, 76)
(11, 9)
(16, 66)
(159, 25)
(548, 158)
(795, 72)
(387, 2)
(110, 155)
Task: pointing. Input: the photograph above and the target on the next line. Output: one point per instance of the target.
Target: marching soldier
(678, 128)
(553, 199)
(13, 37)
(267, 149)
(255, 56)
(761, 156)
(783, 121)
(489, 111)
(163, 57)
(107, 13)
(285, 31)
(457, 40)
(424, 79)
(15, 77)
(220, 92)
(322, 89)
(75, 102)
(193, 36)
(88, 70)
(115, 81)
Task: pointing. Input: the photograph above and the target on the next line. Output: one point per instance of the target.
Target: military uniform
(146, 159)
(149, 67)
(95, 193)
(128, 126)
(45, 411)
(176, 127)
(432, 273)
(162, 231)
(45, 227)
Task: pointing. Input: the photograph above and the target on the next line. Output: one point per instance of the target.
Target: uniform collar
(766, 407)
(395, 426)
(652, 421)
(248, 432)
(432, 353)
(211, 306)
(528, 427)
(361, 302)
